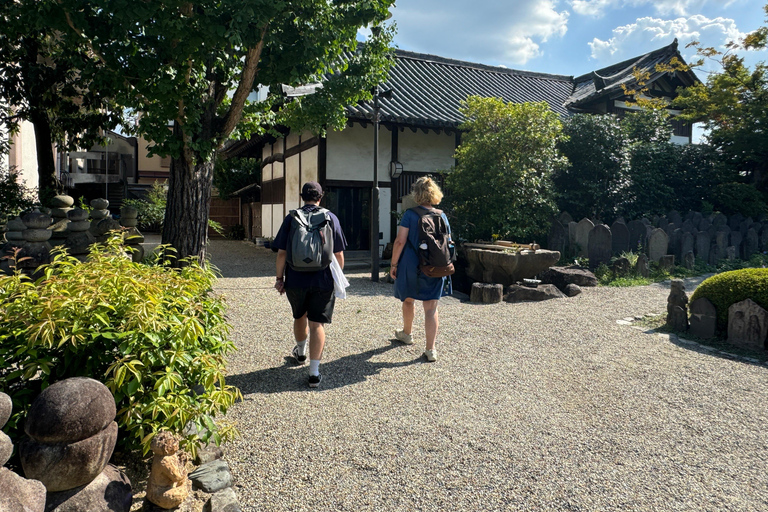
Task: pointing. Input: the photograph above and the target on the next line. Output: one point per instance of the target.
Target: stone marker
(582, 236)
(735, 239)
(486, 293)
(572, 233)
(751, 243)
(688, 226)
(677, 310)
(689, 260)
(721, 239)
(667, 262)
(558, 237)
(675, 244)
(735, 220)
(696, 218)
(675, 218)
(703, 318)
(636, 235)
(621, 266)
(619, 238)
(565, 219)
(641, 266)
(687, 244)
(599, 245)
(719, 220)
(747, 325)
(764, 239)
(702, 245)
(657, 244)
(731, 253)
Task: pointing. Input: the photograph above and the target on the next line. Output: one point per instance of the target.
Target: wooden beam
(295, 150)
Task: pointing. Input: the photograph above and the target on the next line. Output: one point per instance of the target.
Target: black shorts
(316, 303)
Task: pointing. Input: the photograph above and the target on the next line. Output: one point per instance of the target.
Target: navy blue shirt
(322, 279)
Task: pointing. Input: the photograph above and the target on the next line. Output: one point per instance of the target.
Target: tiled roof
(608, 81)
(427, 90)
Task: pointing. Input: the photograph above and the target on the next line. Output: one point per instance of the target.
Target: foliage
(235, 173)
(734, 107)
(236, 232)
(741, 198)
(590, 186)
(728, 288)
(197, 64)
(156, 336)
(40, 78)
(151, 208)
(15, 196)
(503, 183)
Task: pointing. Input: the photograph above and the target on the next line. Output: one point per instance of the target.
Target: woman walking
(410, 283)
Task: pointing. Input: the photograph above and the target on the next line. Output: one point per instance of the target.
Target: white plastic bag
(340, 282)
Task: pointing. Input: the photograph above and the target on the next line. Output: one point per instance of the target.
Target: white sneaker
(405, 338)
(431, 355)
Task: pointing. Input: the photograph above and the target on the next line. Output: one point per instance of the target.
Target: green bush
(15, 197)
(728, 288)
(741, 198)
(155, 335)
(151, 209)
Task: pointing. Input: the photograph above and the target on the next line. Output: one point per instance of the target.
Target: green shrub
(155, 335)
(728, 288)
(741, 198)
(151, 209)
(15, 196)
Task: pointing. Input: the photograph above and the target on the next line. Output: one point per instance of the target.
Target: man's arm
(280, 270)
(340, 257)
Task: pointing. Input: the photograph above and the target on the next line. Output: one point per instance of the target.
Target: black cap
(311, 188)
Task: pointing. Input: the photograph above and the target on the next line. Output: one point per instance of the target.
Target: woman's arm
(397, 249)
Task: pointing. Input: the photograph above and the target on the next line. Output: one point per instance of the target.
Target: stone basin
(507, 267)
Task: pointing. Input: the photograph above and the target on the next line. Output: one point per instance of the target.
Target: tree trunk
(46, 164)
(185, 227)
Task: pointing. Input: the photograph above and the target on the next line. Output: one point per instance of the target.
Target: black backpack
(310, 240)
(435, 249)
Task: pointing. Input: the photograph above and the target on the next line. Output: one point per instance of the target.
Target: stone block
(599, 245)
(563, 276)
(519, 293)
(582, 236)
(486, 293)
(620, 238)
(677, 307)
(658, 244)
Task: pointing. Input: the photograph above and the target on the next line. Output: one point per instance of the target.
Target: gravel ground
(537, 406)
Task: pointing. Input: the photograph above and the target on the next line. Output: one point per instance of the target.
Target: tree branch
(243, 88)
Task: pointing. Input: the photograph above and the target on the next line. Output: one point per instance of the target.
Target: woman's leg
(430, 322)
(408, 312)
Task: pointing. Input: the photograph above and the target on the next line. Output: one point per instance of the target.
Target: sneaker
(299, 358)
(405, 338)
(431, 355)
(314, 380)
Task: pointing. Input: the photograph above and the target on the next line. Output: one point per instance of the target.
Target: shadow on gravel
(363, 286)
(345, 371)
(722, 350)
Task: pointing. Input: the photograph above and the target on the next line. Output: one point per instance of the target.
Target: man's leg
(301, 333)
(316, 340)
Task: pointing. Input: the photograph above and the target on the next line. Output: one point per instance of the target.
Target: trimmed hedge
(728, 288)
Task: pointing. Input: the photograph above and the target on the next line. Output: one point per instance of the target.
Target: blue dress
(410, 283)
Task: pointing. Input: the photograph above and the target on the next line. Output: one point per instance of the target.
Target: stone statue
(677, 307)
(168, 485)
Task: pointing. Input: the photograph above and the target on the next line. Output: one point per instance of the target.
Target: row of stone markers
(709, 237)
(35, 234)
(72, 433)
(747, 321)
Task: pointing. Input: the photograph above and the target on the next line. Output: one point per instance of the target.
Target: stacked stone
(60, 207)
(129, 219)
(677, 307)
(102, 222)
(79, 241)
(72, 435)
(36, 234)
(16, 493)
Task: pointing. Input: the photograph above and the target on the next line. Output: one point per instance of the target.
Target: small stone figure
(677, 307)
(168, 485)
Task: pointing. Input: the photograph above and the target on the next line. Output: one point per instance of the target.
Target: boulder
(6, 406)
(223, 501)
(30, 494)
(70, 410)
(211, 452)
(109, 491)
(62, 466)
(486, 293)
(519, 293)
(212, 477)
(572, 290)
(563, 276)
(6, 448)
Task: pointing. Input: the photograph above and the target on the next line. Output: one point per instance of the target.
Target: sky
(570, 37)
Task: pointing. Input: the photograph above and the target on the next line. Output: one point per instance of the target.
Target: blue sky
(569, 37)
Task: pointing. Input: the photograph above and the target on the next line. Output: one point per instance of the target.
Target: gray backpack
(310, 244)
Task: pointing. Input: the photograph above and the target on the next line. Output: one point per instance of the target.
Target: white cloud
(597, 8)
(647, 34)
(488, 32)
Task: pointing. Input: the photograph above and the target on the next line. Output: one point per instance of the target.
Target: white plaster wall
(385, 218)
(277, 218)
(292, 185)
(350, 154)
(425, 152)
(266, 220)
(309, 165)
(23, 154)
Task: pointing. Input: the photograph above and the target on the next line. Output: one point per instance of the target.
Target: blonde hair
(426, 191)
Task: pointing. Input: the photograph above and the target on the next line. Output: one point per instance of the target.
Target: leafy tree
(503, 182)
(592, 183)
(196, 63)
(41, 82)
(235, 173)
(734, 106)
(15, 196)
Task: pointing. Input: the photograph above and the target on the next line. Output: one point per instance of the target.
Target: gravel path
(538, 406)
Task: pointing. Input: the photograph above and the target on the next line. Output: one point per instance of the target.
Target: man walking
(309, 289)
